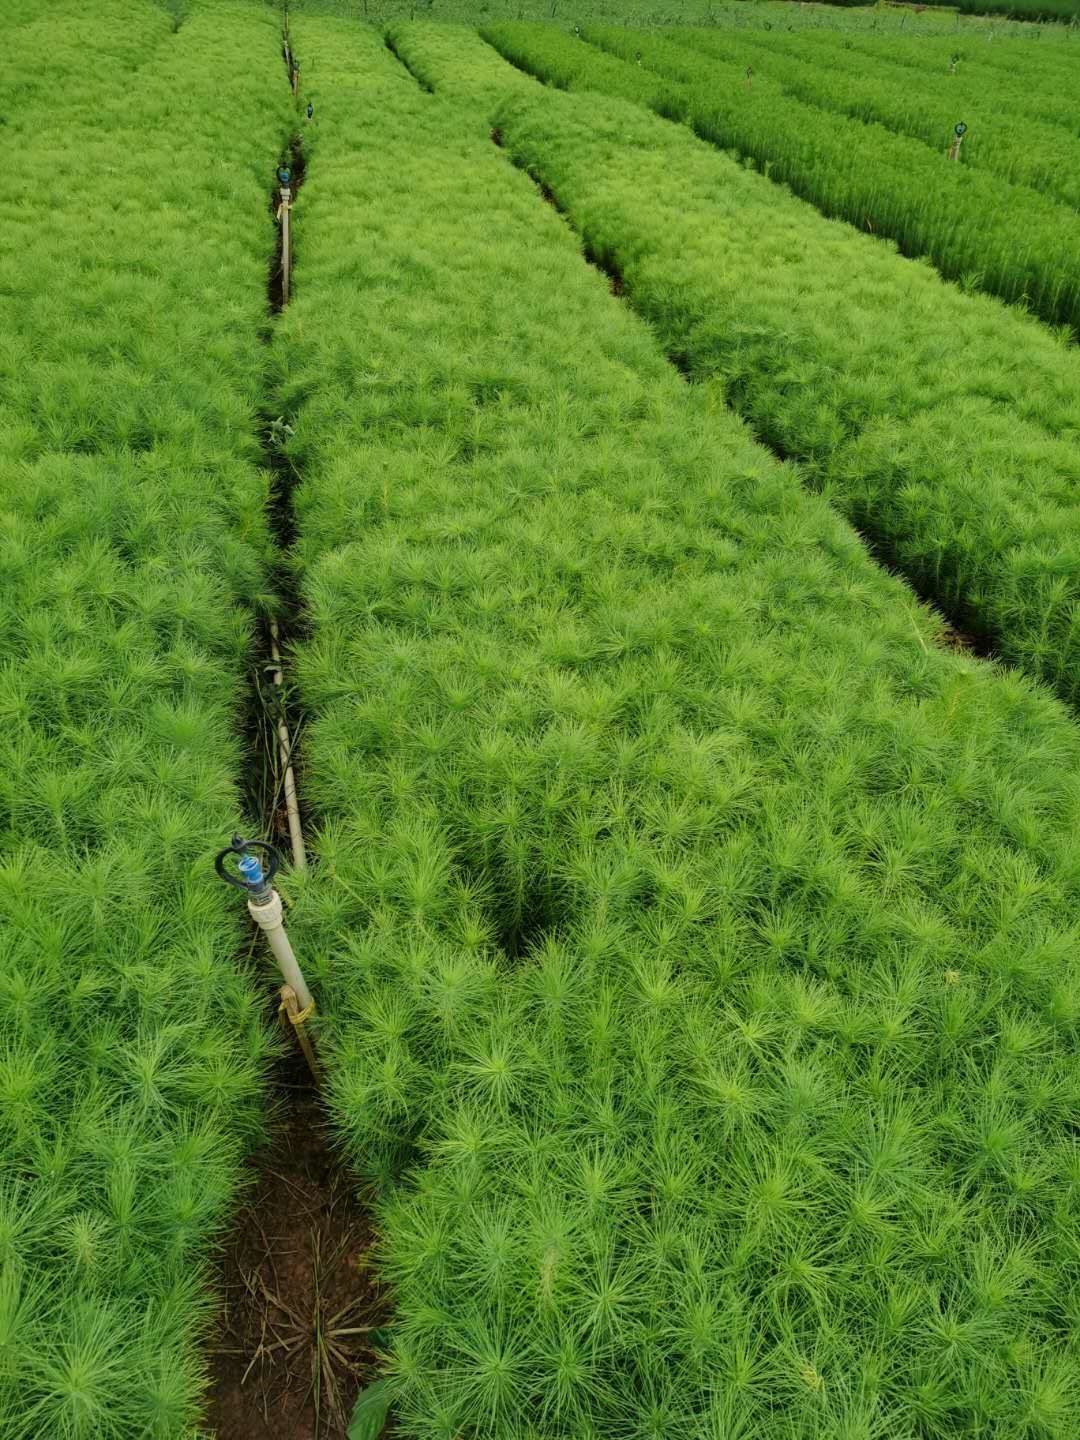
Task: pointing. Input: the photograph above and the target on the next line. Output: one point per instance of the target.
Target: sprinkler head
(249, 873)
(310, 110)
(284, 175)
(960, 128)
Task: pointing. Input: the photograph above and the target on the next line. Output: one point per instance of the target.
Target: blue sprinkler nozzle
(250, 867)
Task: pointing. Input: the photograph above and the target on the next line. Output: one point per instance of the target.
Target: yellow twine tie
(300, 1016)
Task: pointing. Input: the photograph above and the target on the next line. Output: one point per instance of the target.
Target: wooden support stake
(284, 214)
(298, 1020)
(292, 805)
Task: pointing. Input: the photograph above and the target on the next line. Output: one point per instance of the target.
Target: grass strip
(133, 554)
(696, 936)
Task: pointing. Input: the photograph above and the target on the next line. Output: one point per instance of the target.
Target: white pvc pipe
(269, 918)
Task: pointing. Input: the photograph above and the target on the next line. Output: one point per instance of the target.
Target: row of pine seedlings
(133, 557)
(1003, 137)
(695, 933)
(1009, 81)
(942, 424)
(976, 227)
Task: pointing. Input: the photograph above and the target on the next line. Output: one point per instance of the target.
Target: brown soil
(299, 1301)
(968, 644)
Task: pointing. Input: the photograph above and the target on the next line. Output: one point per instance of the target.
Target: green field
(692, 916)
(992, 19)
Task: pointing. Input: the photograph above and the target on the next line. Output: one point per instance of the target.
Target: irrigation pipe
(292, 806)
(270, 918)
(266, 909)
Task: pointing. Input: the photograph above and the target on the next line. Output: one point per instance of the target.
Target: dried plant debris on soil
(300, 1312)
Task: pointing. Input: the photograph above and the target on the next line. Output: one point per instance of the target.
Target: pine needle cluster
(133, 552)
(697, 937)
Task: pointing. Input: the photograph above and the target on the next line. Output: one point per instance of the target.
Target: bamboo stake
(298, 1020)
(292, 806)
(284, 213)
